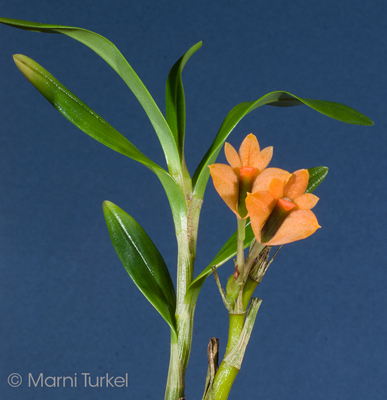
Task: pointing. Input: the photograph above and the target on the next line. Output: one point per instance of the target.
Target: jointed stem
(180, 348)
(239, 335)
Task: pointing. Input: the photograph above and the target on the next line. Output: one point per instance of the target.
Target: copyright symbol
(14, 380)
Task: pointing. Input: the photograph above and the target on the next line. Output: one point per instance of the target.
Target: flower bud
(232, 290)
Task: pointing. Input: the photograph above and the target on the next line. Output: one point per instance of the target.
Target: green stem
(226, 373)
(240, 246)
(175, 382)
(181, 346)
(223, 382)
(248, 291)
(235, 328)
(239, 336)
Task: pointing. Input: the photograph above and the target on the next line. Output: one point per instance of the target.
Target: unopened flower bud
(232, 290)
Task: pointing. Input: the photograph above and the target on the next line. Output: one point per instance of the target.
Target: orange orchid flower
(279, 209)
(234, 181)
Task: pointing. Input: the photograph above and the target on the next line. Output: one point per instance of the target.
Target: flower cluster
(274, 199)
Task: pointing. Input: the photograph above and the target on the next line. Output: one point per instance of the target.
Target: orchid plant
(272, 206)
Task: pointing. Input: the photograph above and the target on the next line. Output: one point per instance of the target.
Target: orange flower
(279, 208)
(235, 181)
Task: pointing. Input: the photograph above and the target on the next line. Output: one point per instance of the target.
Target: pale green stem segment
(238, 339)
(248, 291)
(240, 245)
(175, 381)
(236, 322)
(180, 348)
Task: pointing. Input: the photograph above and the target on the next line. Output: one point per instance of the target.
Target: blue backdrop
(68, 306)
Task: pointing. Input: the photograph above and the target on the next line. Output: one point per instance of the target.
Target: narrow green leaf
(280, 98)
(175, 100)
(82, 116)
(142, 261)
(229, 250)
(109, 52)
(316, 176)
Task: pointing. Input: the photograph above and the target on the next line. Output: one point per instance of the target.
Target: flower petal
(263, 181)
(306, 201)
(263, 159)
(297, 184)
(276, 188)
(249, 151)
(259, 205)
(226, 184)
(232, 156)
(298, 225)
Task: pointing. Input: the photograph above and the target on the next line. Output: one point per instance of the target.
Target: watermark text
(84, 379)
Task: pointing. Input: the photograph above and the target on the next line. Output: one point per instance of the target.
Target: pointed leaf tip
(175, 98)
(109, 52)
(106, 204)
(316, 176)
(330, 109)
(86, 119)
(24, 64)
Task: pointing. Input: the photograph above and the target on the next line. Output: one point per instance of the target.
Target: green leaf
(316, 176)
(142, 261)
(82, 116)
(282, 99)
(109, 52)
(175, 100)
(229, 250)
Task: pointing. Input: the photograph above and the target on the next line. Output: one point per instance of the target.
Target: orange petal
(249, 151)
(232, 156)
(259, 205)
(263, 159)
(276, 188)
(226, 184)
(306, 201)
(263, 181)
(298, 225)
(297, 184)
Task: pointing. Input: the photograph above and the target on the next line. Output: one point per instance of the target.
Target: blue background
(67, 304)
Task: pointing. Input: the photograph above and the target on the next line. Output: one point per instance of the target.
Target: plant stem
(240, 246)
(248, 291)
(175, 382)
(239, 336)
(226, 373)
(223, 382)
(181, 346)
(236, 322)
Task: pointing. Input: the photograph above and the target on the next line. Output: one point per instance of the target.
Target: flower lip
(247, 172)
(286, 204)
